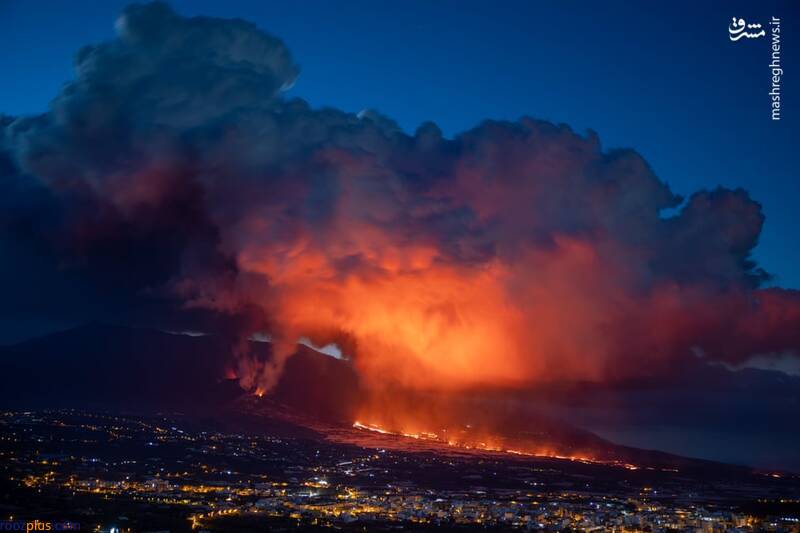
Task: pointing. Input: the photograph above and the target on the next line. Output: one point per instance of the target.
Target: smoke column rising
(173, 168)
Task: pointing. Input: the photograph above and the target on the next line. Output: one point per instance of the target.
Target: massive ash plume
(174, 177)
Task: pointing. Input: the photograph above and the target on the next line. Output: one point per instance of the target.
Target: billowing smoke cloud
(174, 173)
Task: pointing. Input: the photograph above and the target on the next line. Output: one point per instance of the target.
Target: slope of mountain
(746, 416)
(144, 370)
(114, 368)
(102, 366)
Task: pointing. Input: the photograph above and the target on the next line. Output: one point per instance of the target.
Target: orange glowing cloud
(509, 255)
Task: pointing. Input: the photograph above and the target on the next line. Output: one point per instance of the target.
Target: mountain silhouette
(114, 368)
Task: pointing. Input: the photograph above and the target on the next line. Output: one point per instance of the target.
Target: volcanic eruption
(176, 182)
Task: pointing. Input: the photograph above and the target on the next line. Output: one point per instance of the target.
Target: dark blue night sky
(664, 80)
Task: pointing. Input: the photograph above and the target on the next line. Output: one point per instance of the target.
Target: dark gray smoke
(173, 182)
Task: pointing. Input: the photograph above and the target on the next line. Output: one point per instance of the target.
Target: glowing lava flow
(370, 427)
(433, 437)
